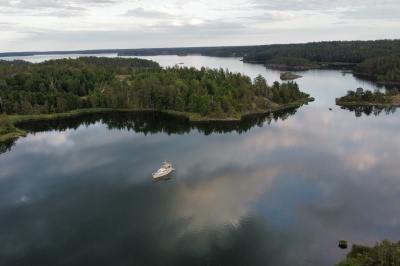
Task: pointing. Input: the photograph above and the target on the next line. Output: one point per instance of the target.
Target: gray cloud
(35, 4)
(44, 6)
(151, 14)
(320, 5)
(369, 13)
(159, 31)
(136, 24)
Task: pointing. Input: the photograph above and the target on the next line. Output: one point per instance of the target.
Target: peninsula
(64, 87)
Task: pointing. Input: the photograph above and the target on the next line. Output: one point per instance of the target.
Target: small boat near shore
(165, 170)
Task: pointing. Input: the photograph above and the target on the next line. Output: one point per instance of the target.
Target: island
(70, 87)
(289, 76)
(359, 97)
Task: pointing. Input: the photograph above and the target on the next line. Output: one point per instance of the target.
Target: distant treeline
(221, 51)
(218, 51)
(283, 62)
(57, 86)
(15, 62)
(326, 52)
(386, 69)
(352, 52)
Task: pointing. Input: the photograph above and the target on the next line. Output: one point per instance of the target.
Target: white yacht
(165, 170)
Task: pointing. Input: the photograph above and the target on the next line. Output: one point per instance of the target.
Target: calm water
(277, 189)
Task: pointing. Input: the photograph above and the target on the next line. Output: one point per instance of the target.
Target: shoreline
(193, 117)
(356, 104)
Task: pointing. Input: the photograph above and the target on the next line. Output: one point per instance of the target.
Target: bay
(277, 189)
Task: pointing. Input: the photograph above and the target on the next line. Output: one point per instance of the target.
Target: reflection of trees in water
(155, 122)
(6, 146)
(374, 82)
(368, 110)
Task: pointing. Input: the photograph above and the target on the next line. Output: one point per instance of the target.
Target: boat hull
(163, 174)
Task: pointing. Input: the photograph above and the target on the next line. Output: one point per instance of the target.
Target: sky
(64, 25)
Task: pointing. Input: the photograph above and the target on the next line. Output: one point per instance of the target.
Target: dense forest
(283, 62)
(353, 52)
(61, 85)
(384, 253)
(385, 69)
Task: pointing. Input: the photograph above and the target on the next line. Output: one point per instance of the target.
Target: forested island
(360, 97)
(58, 88)
(289, 76)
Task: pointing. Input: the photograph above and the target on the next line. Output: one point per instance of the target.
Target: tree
(384, 253)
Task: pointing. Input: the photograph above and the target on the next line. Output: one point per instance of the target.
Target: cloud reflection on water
(282, 193)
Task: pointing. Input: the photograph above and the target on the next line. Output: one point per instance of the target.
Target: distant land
(220, 51)
(375, 59)
(351, 52)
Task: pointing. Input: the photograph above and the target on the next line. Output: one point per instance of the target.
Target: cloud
(60, 8)
(91, 24)
(38, 4)
(372, 13)
(358, 9)
(318, 5)
(278, 15)
(148, 13)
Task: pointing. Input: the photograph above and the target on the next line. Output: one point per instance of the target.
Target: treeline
(353, 52)
(361, 96)
(15, 62)
(220, 51)
(61, 85)
(385, 68)
(384, 253)
(283, 62)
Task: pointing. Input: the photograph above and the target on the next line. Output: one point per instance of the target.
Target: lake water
(277, 189)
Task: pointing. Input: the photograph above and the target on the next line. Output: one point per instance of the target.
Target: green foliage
(334, 51)
(15, 62)
(289, 62)
(385, 68)
(368, 96)
(385, 253)
(5, 125)
(58, 86)
(8, 131)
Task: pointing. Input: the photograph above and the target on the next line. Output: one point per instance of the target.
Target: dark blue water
(277, 189)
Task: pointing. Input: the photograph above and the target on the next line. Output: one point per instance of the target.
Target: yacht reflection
(368, 110)
(162, 178)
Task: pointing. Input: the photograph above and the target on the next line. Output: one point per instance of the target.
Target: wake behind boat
(165, 170)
